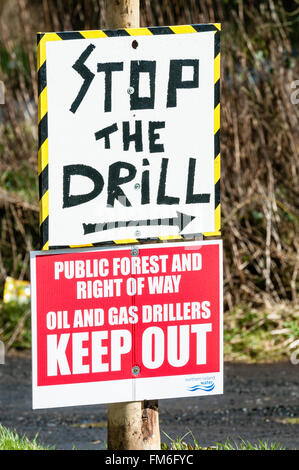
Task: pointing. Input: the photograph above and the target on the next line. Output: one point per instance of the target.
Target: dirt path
(260, 402)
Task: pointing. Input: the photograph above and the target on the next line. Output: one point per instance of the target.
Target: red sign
(123, 323)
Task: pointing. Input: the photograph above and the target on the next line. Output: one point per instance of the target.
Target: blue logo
(207, 386)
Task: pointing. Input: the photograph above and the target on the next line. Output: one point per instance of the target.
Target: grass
(15, 326)
(267, 334)
(10, 440)
(180, 444)
(245, 445)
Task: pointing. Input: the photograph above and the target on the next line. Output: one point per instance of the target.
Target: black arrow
(181, 221)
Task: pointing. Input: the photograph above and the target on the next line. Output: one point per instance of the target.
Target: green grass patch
(10, 440)
(15, 325)
(180, 444)
(266, 334)
(246, 445)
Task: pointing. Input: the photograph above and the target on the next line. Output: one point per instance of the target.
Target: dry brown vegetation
(259, 134)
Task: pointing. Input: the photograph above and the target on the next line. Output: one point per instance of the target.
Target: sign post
(122, 14)
(131, 425)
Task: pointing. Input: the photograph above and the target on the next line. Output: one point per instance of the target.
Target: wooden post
(134, 426)
(122, 14)
(131, 425)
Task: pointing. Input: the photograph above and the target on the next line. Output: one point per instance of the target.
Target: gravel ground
(260, 402)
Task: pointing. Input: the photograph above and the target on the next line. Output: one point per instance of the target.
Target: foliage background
(259, 145)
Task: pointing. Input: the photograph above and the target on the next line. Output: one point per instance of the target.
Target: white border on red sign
(135, 389)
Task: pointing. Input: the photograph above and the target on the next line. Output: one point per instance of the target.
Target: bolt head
(134, 252)
(135, 370)
(130, 90)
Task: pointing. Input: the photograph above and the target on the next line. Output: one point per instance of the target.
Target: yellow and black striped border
(42, 39)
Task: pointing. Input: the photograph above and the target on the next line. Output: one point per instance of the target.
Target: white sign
(130, 137)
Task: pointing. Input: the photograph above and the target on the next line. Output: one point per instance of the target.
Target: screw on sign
(135, 370)
(134, 252)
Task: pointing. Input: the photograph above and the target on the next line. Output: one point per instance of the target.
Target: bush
(259, 135)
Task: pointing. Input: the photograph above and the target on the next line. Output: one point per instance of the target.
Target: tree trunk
(122, 14)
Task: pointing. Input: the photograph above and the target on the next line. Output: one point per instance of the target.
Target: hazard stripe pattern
(42, 39)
